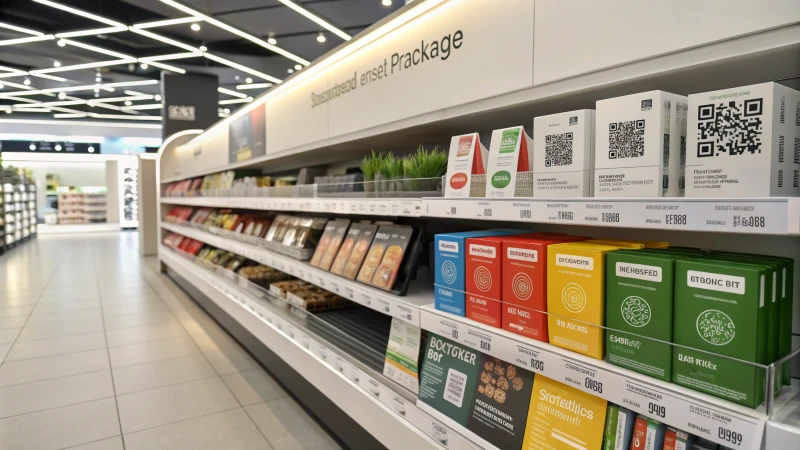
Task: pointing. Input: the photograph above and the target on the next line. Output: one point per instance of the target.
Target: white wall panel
(292, 122)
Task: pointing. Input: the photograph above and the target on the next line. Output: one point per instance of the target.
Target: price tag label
(602, 214)
(485, 210)
(289, 330)
(373, 387)
(338, 363)
(305, 341)
(320, 281)
(477, 339)
(355, 375)
(443, 327)
(322, 352)
(365, 298)
(405, 313)
(397, 403)
(348, 292)
(439, 433)
(333, 285)
(382, 305)
(583, 376)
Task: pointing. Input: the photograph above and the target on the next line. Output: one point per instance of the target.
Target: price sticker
(322, 352)
(338, 363)
(349, 293)
(374, 387)
(320, 281)
(583, 376)
(333, 285)
(382, 305)
(397, 403)
(305, 341)
(439, 433)
(366, 298)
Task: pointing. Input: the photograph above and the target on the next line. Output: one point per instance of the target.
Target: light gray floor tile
(47, 394)
(231, 430)
(45, 318)
(57, 346)
(16, 311)
(4, 348)
(231, 361)
(253, 386)
(137, 335)
(127, 355)
(155, 407)
(67, 426)
(151, 375)
(12, 322)
(137, 320)
(67, 305)
(8, 335)
(129, 309)
(288, 427)
(114, 443)
(14, 302)
(130, 299)
(25, 371)
(215, 340)
(60, 329)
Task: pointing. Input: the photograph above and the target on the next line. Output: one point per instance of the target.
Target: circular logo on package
(522, 286)
(449, 272)
(458, 181)
(636, 311)
(483, 279)
(574, 297)
(715, 327)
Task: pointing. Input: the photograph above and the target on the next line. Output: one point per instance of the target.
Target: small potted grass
(369, 167)
(384, 175)
(425, 169)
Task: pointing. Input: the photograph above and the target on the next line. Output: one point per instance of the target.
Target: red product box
(524, 286)
(484, 279)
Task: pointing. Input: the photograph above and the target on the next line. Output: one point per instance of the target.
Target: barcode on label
(454, 388)
(524, 213)
(452, 210)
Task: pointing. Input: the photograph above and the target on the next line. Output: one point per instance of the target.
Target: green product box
(720, 308)
(639, 292)
(786, 299)
(485, 395)
(618, 430)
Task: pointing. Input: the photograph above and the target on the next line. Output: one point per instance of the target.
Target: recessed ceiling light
(58, 147)
(62, 95)
(249, 99)
(386, 2)
(32, 148)
(27, 82)
(128, 103)
(272, 41)
(226, 111)
(248, 80)
(61, 43)
(96, 94)
(157, 98)
(143, 65)
(56, 64)
(91, 149)
(97, 89)
(321, 38)
(98, 79)
(8, 111)
(203, 48)
(236, 77)
(290, 70)
(195, 27)
(297, 67)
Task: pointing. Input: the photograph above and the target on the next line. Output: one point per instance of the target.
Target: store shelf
(391, 417)
(406, 308)
(682, 408)
(778, 216)
(364, 206)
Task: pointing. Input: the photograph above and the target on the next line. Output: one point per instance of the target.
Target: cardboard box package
(618, 430)
(741, 141)
(720, 307)
(576, 296)
(510, 168)
(563, 154)
(450, 250)
(466, 167)
(484, 281)
(648, 434)
(638, 145)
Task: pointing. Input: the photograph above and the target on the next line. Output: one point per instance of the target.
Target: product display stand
(19, 223)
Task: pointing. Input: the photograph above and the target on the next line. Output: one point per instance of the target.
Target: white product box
(637, 145)
(742, 142)
(466, 167)
(563, 154)
(509, 172)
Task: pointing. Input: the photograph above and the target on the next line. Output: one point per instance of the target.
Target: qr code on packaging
(454, 387)
(730, 128)
(626, 139)
(558, 149)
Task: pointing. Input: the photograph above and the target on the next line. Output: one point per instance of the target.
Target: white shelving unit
(407, 207)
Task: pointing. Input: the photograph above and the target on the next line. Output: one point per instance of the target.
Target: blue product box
(449, 286)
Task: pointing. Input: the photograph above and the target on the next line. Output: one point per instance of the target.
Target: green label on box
(501, 179)
(639, 291)
(508, 143)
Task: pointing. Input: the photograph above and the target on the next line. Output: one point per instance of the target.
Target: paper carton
(510, 164)
(466, 167)
(563, 154)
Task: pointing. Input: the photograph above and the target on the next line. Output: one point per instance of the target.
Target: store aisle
(100, 351)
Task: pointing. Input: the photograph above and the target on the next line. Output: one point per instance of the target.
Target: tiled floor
(100, 351)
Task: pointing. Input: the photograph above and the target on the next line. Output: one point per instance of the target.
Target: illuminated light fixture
(96, 90)
(298, 67)
(61, 43)
(168, 67)
(16, 85)
(131, 83)
(12, 72)
(231, 93)
(92, 32)
(82, 13)
(203, 48)
(123, 99)
(236, 77)
(157, 98)
(91, 149)
(272, 41)
(64, 103)
(32, 148)
(58, 147)
(96, 49)
(50, 77)
(120, 116)
(164, 23)
(152, 106)
(27, 82)
(56, 64)
(62, 95)
(20, 29)
(314, 18)
(112, 62)
(253, 86)
(98, 79)
(236, 31)
(245, 69)
(34, 110)
(386, 2)
(165, 40)
(248, 80)
(321, 38)
(195, 27)
(150, 59)
(143, 65)
(8, 111)
(235, 100)
(290, 70)
(82, 124)
(226, 111)
(25, 40)
(128, 103)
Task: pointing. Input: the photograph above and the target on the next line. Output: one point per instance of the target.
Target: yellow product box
(635, 245)
(562, 417)
(576, 278)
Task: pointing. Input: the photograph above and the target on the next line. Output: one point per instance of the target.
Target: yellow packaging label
(635, 245)
(576, 290)
(562, 417)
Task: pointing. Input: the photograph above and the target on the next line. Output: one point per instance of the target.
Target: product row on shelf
(81, 207)
(130, 196)
(17, 207)
(495, 403)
